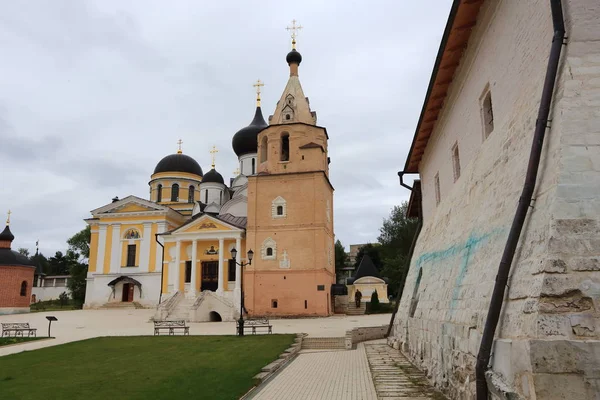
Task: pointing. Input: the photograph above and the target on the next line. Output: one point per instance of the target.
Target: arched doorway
(214, 316)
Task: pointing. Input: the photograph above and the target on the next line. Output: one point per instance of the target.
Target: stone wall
(362, 334)
(554, 288)
(11, 278)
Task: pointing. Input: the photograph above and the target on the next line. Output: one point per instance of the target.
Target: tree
(373, 251)
(80, 242)
(58, 265)
(341, 258)
(396, 236)
(374, 306)
(40, 260)
(23, 251)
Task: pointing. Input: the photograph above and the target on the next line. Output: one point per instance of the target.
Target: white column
(194, 260)
(177, 266)
(145, 247)
(101, 249)
(221, 251)
(115, 251)
(162, 227)
(237, 292)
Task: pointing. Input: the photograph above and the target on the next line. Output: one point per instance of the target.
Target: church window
(285, 147)
(274, 303)
(24, 288)
(206, 196)
(175, 192)
(437, 188)
(131, 234)
(456, 161)
(305, 304)
(263, 149)
(231, 271)
(131, 255)
(268, 250)
(191, 194)
(159, 193)
(253, 166)
(288, 116)
(487, 114)
(188, 271)
(289, 99)
(279, 208)
(220, 197)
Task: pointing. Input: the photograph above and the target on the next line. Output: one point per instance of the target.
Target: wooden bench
(18, 328)
(171, 327)
(253, 324)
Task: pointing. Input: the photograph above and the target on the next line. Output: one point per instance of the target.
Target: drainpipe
(162, 266)
(408, 259)
(496, 301)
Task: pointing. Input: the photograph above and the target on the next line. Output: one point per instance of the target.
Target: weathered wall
(554, 288)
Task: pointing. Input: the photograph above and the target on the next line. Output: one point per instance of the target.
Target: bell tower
(290, 203)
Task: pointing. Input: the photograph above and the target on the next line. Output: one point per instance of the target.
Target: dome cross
(294, 32)
(179, 143)
(213, 152)
(258, 85)
(8, 217)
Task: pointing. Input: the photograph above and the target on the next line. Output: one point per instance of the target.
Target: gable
(205, 223)
(128, 205)
(133, 208)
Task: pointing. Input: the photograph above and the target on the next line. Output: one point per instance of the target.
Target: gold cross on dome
(213, 152)
(258, 85)
(294, 32)
(179, 143)
(8, 218)
(236, 172)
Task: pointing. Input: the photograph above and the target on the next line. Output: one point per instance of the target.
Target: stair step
(324, 343)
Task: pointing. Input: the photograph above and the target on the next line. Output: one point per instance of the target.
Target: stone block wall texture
(11, 278)
(553, 299)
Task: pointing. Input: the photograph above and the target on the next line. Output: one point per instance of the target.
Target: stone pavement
(395, 377)
(322, 375)
(85, 324)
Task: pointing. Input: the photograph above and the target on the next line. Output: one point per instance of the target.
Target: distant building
(354, 249)
(16, 276)
(49, 287)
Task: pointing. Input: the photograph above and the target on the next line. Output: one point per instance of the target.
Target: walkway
(325, 375)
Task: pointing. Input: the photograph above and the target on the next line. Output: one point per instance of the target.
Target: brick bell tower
(290, 210)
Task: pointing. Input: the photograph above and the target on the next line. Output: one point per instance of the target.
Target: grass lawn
(5, 341)
(143, 367)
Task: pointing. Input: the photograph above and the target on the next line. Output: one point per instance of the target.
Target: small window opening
(159, 193)
(285, 147)
(303, 157)
(273, 303)
(24, 288)
(287, 116)
(263, 149)
(488, 115)
(131, 255)
(253, 166)
(220, 197)
(188, 271)
(437, 189)
(206, 196)
(269, 251)
(175, 192)
(191, 194)
(305, 304)
(456, 162)
(279, 210)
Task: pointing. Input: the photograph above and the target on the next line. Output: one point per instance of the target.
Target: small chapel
(186, 250)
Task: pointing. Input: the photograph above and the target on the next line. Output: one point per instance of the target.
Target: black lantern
(242, 264)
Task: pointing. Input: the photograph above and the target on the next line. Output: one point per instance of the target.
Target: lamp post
(242, 264)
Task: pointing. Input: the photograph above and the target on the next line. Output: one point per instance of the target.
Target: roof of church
(293, 57)
(178, 162)
(213, 176)
(245, 140)
(240, 222)
(9, 257)
(366, 268)
(7, 234)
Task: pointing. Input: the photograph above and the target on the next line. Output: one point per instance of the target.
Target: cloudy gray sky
(94, 93)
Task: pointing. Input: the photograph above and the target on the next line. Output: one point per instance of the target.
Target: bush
(63, 298)
(374, 301)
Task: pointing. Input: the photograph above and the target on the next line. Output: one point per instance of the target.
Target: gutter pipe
(497, 299)
(162, 266)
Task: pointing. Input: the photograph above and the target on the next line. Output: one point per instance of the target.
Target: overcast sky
(94, 93)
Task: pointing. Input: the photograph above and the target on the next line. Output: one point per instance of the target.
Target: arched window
(253, 166)
(24, 288)
(269, 251)
(159, 193)
(206, 196)
(263, 149)
(285, 146)
(278, 208)
(175, 192)
(191, 194)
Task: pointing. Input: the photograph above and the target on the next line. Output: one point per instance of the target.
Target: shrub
(374, 301)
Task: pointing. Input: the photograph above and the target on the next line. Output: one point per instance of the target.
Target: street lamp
(242, 264)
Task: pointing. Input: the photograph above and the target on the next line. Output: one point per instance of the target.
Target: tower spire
(294, 32)
(179, 143)
(213, 152)
(258, 85)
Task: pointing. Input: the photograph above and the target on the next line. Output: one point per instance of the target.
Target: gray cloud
(94, 93)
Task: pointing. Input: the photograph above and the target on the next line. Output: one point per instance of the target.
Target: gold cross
(8, 218)
(213, 152)
(257, 85)
(179, 143)
(294, 32)
(236, 172)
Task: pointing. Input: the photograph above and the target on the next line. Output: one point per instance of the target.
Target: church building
(174, 249)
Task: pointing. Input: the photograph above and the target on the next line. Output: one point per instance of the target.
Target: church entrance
(210, 275)
(127, 292)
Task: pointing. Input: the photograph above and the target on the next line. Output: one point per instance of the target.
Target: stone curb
(269, 370)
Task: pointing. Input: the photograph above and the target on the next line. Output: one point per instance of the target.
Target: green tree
(396, 236)
(23, 251)
(374, 306)
(341, 258)
(374, 251)
(40, 260)
(58, 265)
(80, 242)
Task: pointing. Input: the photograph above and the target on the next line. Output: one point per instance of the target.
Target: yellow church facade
(173, 251)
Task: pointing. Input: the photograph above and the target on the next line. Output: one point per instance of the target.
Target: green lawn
(5, 341)
(196, 367)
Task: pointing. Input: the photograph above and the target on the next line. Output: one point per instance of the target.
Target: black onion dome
(213, 176)
(293, 57)
(7, 234)
(178, 163)
(10, 257)
(245, 140)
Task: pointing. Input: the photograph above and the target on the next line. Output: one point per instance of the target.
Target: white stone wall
(99, 293)
(49, 292)
(555, 284)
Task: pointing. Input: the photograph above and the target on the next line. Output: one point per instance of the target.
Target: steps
(352, 310)
(323, 343)
(119, 306)
(182, 310)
